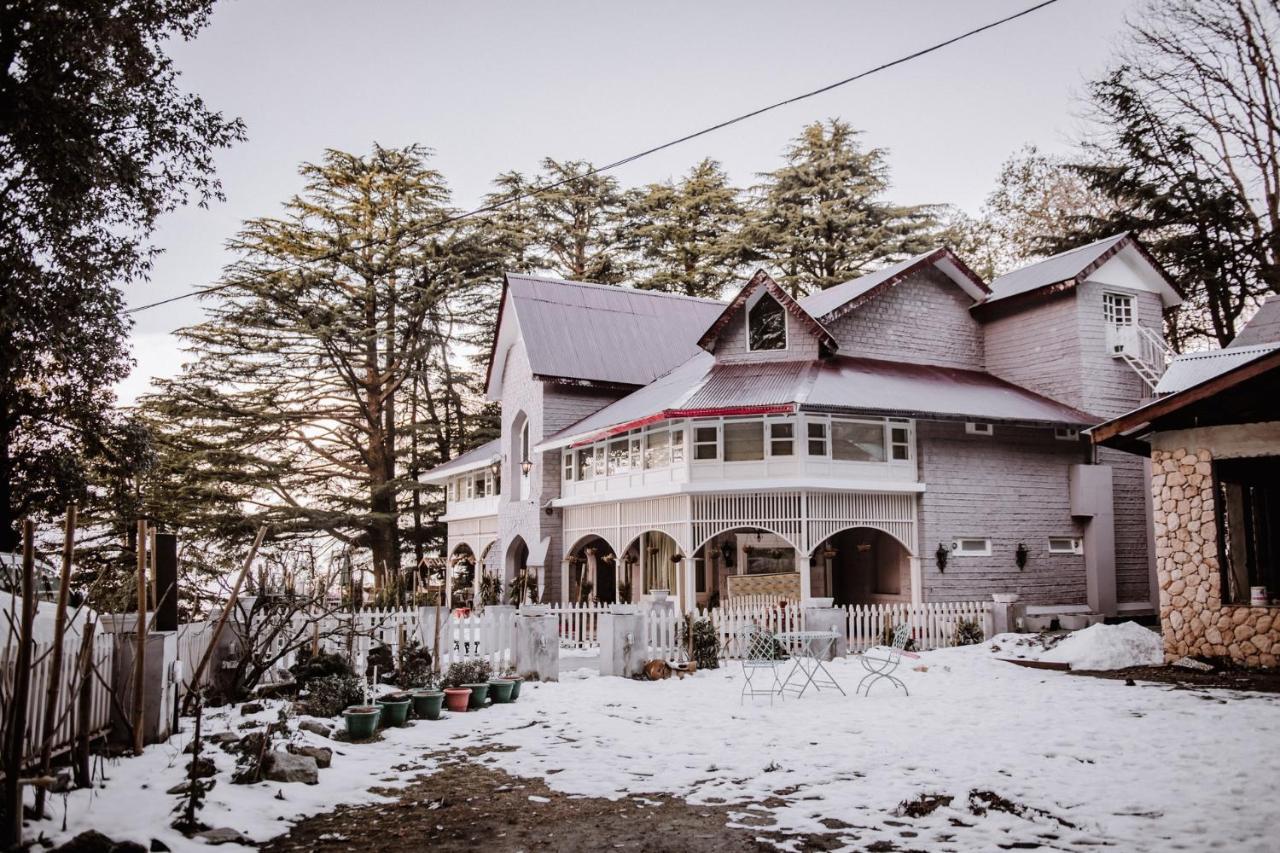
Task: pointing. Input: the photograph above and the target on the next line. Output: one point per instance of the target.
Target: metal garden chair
(761, 654)
(881, 662)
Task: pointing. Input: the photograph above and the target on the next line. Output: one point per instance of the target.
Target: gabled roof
(837, 301)
(762, 280)
(474, 459)
(1263, 327)
(1071, 268)
(1192, 368)
(599, 333)
(1247, 393)
(703, 387)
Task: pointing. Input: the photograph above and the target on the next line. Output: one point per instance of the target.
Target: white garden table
(806, 649)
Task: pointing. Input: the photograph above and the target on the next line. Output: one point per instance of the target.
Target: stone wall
(1192, 616)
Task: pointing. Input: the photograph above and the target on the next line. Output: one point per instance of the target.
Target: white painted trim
(1135, 607)
(1054, 609)
(704, 487)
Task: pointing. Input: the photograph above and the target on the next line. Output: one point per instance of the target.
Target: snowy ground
(1084, 762)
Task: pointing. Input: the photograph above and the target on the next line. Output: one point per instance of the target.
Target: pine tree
(821, 219)
(686, 233)
(330, 360)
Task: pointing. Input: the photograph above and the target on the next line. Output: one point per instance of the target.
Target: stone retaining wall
(1192, 616)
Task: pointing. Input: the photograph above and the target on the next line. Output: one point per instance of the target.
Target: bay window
(782, 438)
(743, 441)
(706, 442)
(852, 441)
(817, 431)
(657, 453)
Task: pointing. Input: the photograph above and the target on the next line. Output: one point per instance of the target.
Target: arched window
(524, 458)
(766, 325)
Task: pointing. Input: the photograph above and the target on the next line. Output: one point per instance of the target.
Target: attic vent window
(766, 325)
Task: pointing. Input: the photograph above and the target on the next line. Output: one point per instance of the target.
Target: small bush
(968, 632)
(414, 668)
(310, 667)
(476, 671)
(329, 695)
(706, 644)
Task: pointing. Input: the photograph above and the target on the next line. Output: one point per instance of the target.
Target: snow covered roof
(1192, 368)
(700, 387)
(828, 304)
(479, 457)
(600, 333)
(1263, 327)
(1068, 269)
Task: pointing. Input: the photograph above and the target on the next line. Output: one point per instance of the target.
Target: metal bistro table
(806, 649)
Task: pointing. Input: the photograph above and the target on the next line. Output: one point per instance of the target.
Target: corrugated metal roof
(825, 301)
(908, 389)
(602, 333)
(1263, 327)
(1059, 268)
(479, 457)
(837, 384)
(1192, 368)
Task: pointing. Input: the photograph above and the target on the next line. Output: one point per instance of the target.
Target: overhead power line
(531, 193)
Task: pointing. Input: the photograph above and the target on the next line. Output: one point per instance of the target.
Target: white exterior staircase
(1142, 348)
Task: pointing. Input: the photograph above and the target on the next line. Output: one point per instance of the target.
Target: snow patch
(1109, 647)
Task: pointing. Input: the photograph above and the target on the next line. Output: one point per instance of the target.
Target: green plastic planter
(479, 696)
(516, 681)
(395, 710)
(500, 690)
(427, 704)
(362, 721)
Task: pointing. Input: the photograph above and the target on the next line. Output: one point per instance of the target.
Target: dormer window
(766, 325)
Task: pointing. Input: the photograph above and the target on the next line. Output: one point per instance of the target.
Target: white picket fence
(67, 709)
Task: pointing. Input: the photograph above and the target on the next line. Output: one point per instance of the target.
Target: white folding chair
(761, 654)
(880, 662)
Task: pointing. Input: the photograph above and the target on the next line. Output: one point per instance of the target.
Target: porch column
(690, 602)
(447, 604)
(564, 580)
(806, 573)
(917, 580)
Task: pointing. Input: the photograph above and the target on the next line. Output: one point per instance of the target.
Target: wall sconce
(941, 556)
(525, 467)
(1020, 555)
(495, 467)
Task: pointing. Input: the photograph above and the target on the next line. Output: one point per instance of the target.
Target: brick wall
(1039, 349)
(1010, 487)
(924, 320)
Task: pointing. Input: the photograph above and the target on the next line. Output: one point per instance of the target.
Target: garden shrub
(329, 695)
(310, 667)
(413, 670)
(476, 671)
(968, 632)
(706, 644)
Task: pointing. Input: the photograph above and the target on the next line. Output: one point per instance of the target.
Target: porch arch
(864, 525)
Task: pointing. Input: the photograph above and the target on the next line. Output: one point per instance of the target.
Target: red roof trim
(673, 414)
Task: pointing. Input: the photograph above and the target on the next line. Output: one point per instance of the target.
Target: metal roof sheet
(825, 301)
(1059, 268)
(1263, 327)
(603, 333)
(837, 384)
(1192, 368)
(479, 457)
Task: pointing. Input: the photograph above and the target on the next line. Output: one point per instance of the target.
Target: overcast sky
(496, 86)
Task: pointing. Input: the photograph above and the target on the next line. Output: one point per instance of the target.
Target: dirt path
(467, 806)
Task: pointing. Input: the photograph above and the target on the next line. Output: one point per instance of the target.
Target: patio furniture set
(768, 652)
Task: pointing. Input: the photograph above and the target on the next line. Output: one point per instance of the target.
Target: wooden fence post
(16, 729)
(84, 709)
(55, 666)
(140, 643)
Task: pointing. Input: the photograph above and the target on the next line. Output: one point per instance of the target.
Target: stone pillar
(1004, 614)
(622, 648)
(917, 580)
(806, 577)
(159, 686)
(826, 618)
(535, 646)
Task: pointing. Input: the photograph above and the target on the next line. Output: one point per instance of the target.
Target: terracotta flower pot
(457, 698)
(479, 695)
(362, 720)
(395, 710)
(427, 704)
(500, 690)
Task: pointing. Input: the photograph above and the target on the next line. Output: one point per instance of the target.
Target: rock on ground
(322, 754)
(287, 767)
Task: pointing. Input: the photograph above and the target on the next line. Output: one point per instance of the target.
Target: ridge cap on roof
(1057, 256)
(626, 288)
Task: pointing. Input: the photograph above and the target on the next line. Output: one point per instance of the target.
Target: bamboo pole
(140, 643)
(55, 665)
(222, 620)
(16, 725)
(85, 707)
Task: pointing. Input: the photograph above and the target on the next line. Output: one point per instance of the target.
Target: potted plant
(500, 690)
(427, 702)
(395, 709)
(362, 721)
(466, 684)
